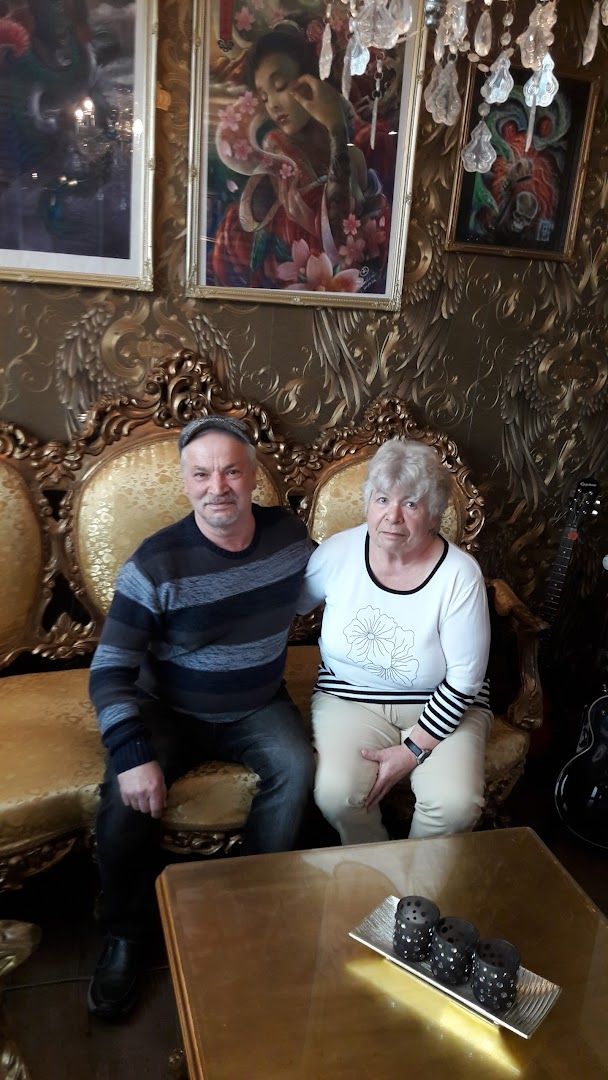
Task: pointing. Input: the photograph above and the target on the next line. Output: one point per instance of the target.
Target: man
(190, 667)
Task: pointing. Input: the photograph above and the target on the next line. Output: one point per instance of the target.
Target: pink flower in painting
(225, 149)
(257, 4)
(314, 273)
(351, 225)
(352, 252)
(230, 118)
(241, 150)
(248, 103)
(286, 171)
(290, 271)
(374, 232)
(320, 277)
(243, 19)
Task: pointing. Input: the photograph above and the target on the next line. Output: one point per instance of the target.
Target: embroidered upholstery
(53, 763)
(52, 757)
(21, 557)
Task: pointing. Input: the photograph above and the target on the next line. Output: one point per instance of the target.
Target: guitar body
(581, 792)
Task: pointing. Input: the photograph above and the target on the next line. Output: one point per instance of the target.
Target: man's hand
(143, 788)
(393, 764)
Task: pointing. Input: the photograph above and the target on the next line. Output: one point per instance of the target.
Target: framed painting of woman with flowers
(298, 192)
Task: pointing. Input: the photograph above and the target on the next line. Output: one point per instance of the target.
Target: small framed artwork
(300, 188)
(528, 203)
(77, 142)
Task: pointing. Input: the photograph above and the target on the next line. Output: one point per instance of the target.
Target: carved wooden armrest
(526, 711)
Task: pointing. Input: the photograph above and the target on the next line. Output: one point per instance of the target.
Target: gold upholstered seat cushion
(127, 496)
(21, 559)
(52, 757)
(53, 763)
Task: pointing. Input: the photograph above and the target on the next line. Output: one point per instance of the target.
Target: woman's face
(398, 524)
(274, 77)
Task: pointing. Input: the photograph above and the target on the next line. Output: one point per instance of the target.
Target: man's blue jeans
(271, 741)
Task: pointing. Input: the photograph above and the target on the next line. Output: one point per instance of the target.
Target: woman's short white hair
(413, 467)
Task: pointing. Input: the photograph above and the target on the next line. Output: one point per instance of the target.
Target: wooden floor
(46, 998)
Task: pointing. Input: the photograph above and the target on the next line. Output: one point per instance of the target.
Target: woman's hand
(393, 764)
(320, 100)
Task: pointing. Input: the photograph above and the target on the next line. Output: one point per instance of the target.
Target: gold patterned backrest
(23, 555)
(132, 492)
(337, 503)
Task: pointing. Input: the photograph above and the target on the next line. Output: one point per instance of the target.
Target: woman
(311, 215)
(404, 648)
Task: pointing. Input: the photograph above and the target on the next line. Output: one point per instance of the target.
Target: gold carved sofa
(73, 512)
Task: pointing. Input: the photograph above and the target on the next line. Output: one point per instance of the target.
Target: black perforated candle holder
(414, 921)
(452, 950)
(495, 970)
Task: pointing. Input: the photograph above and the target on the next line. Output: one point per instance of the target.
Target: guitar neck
(557, 577)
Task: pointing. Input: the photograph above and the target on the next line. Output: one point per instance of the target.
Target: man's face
(219, 478)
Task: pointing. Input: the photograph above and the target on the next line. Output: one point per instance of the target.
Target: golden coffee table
(269, 984)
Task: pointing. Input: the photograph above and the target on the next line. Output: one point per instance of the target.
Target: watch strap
(418, 752)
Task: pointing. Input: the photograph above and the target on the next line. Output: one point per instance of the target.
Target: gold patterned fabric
(52, 757)
(338, 504)
(20, 557)
(53, 763)
(53, 760)
(127, 497)
(214, 797)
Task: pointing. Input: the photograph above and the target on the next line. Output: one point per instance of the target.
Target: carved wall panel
(509, 356)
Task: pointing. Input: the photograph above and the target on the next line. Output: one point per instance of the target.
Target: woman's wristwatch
(420, 754)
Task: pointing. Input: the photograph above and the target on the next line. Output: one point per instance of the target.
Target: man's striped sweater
(202, 629)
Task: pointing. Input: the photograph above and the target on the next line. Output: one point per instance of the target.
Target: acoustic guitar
(581, 791)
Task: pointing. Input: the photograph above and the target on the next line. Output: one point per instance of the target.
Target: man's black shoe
(114, 988)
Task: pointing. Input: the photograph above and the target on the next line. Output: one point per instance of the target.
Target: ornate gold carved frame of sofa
(74, 512)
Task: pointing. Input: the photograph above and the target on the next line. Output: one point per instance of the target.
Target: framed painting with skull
(527, 204)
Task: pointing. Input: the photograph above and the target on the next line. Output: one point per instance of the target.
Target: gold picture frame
(527, 205)
(258, 217)
(77, 163)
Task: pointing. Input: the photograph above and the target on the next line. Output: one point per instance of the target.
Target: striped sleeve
(131, 623)
(446, 707)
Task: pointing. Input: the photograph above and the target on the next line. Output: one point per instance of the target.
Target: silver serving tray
(535, 996)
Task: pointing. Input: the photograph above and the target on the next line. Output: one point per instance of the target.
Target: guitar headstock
(585, 503)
